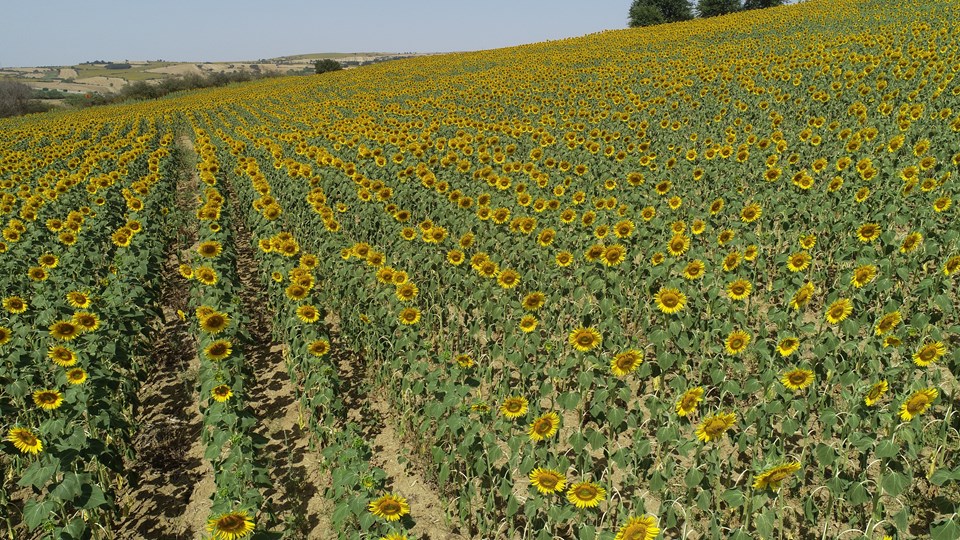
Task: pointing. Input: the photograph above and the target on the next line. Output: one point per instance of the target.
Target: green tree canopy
(713, 8)
(644, 15)
(325, 65)
(647, 12)
(761, 4)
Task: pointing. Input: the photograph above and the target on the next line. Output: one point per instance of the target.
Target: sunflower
(942, 204)
(657, 258)
(585, 494)
(694, 270)
(48, 399)
(725, 236)
(648, 213)
(62, 356)
(863, 274)
(678, 245)
(218, 350)
(638, 528)
(891, 341)
(875, 393)
(79, 299)
(464, 360)
(716, 206)
(14, 304)
(534, 301)
(689, 400)
(319, 347)
(24, 440)
(788, 346)
(405, 293)
(48, 260)
(308, 314)
(547, 481)
(508, 279)
(230, 525)
(65, 330)
(514, 407)
(37, 273)
(455, 257)
(221, 393)
(626, 362)
(798, 261)
(528, 323)
(737, 342)
(296, 292)
(750, 213)
(714, 426)
(186, 271)
(88, 322)
(565, 258)
(394, 536)
(802, 296)
(888, 322)
(583, 339)
(808, 241)
(911, 242)
(868, 232)
(797, 379)
(206, 275)
(594, 252)
(929, 353)
(839, 310)
(952, 265)
(214, 322)
(739, 289)
(623, 229)
(774, 476)
(76, 376)
(613, 255)
(209, 249)
(121, 238)
(544, 427)
(409, 316)
(917, 403)
(731, 261)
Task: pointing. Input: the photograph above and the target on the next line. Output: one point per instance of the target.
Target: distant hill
(107, 77)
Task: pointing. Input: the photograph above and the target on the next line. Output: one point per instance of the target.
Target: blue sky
(60, 32)
(57, 32)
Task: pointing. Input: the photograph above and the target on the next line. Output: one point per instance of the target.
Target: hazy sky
(57, 32)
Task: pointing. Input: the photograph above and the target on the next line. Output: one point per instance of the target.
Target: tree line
(650, 12)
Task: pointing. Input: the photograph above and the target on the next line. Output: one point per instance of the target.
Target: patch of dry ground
(170, 496)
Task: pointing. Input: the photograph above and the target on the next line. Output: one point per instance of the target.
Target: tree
(644, 15)
(326, 65)
(713, 8)
(647, 12)
(16, 98)
(762, 4)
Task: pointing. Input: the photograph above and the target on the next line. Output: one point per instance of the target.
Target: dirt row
(170, 493)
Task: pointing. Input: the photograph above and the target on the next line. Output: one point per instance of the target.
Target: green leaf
(887, 449)
(948, 530)
(942, 476)
(895, 483)
(858, 494)
(765, 521)
(693, 477)
(69, 488)
(733, 497)
(37, 474)
(36, 512)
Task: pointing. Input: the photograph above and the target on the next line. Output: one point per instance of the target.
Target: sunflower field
(696, 280)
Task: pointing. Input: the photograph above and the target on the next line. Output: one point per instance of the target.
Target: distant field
(86, 78)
